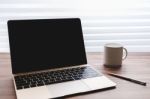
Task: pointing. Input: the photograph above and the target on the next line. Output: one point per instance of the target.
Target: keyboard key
(26, 86)
(77, 77)
(49, 82)
(22, 84)
(33, 85)
(46, 82)
(33, 82)
(19, 87)
(40, 84)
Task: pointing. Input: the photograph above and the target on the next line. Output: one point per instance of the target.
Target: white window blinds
(103, 21)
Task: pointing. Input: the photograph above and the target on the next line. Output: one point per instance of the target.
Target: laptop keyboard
(51, 77)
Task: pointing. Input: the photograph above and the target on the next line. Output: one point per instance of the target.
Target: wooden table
(137, 65)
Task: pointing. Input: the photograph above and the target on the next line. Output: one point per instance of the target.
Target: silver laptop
(49, 61)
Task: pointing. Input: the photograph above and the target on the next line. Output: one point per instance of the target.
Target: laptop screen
(45, 44)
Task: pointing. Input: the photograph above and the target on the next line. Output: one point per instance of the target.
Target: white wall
(121, 21)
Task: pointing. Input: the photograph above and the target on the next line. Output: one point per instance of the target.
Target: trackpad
(67, 88)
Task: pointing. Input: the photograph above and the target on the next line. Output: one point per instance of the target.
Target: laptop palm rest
(62, 89)
(79, 86)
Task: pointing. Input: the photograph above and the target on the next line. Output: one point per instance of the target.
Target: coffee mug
(113, 54)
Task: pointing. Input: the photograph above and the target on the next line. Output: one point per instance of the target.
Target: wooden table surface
(137, 65)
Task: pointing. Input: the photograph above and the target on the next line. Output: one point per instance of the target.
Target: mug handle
(125, 56)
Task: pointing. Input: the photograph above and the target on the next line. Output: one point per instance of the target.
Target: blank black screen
(45, 43)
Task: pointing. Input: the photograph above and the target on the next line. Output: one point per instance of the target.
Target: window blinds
(103, 21)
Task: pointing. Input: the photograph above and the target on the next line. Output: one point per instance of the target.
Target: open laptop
(49, 61)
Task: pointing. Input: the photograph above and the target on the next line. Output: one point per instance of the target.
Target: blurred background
(103, 21)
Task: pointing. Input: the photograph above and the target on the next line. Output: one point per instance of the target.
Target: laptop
(48, 59)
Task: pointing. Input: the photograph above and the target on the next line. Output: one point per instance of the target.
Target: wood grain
(137, 66)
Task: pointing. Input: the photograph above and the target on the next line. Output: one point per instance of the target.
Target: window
(103, 21)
